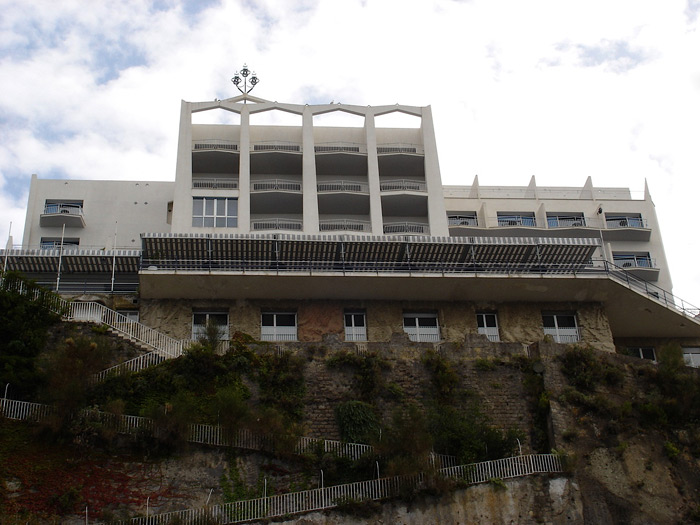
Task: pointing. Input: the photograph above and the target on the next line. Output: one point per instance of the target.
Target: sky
(558, 89)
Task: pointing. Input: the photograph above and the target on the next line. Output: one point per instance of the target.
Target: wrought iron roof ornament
(245, 72)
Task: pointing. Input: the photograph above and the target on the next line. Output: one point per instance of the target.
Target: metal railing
(376, 489)
(275, 185)
(399, 147)
(403, 185)
(625, 222)
(340, 147)
(516, 220)
(391, 228)
(560, 221)
(491, 332)
(132, 365)
(215, 183)
(214, 144)
(462, 221)
(278, 333)
(342, 186)
(277, 224)
(563, 335)
(71, 209)
(276, 145)
(348, 225)
(634, 261)
(423, 334)
(356, 333)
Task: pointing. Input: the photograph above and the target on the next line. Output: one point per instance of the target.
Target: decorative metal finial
(245, 72)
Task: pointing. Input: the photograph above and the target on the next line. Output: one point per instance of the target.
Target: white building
(297, 233)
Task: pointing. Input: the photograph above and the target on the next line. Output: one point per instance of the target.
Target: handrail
(342, 186)
(403, 185)
(71, 209)
(275, 185)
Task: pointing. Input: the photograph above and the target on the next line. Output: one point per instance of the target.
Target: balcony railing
(340, 147)
(563, 335)
(491, 332)
(70, 209)
(403, 185)
(214, 144)
(393, 228)
(350, 225)
(276, 224)
(423, 334)
(278, 333)
(625, 222)
(634, 261)
(516, 220)
(462, 221)
(356, 333)
(276, 145)
(565, 222)
(276, 185)
(399, 147)
(218, 183)
(342, 186)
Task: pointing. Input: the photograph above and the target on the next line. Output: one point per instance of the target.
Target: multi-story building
(309, 232)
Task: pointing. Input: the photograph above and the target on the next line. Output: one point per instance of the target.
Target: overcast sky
(559, 89)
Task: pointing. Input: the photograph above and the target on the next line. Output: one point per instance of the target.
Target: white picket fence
(329, 497)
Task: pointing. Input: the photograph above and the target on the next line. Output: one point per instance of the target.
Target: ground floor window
(487, 324)
(278, 326)
(217, 212)
(691, 356)
(131, 315)
(421, 327)
(200, 321)
(561, 326)
(643, 352)
(355, 325)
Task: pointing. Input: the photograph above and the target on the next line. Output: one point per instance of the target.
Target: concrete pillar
(310, 202)
(244, 173)
(182, 198)
(375, 198)
(437, 216)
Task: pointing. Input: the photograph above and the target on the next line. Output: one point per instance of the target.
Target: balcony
(275, 223)
(276, 145)
(563, 335)
(62, 214)
(491, 332)
(284, 185)
(339, 147)
(625, 222)
(516, 220)
(564, 221)
(403, 185)
(634, 261)
(412, 228)
(626, 227)
(342, 186)
(346, 225)
(215, 183)
(399, 148)
(214, 145)
(462, 220)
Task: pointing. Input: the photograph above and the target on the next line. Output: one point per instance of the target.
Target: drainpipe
(60, 258)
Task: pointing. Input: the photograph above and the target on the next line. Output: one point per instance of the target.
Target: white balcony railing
(462, 221)
(423, 334)
(491, 332)
(516, 220)
(563, 335)
(276, 145)
(70, 209)
(348, 225)
(393, 228)
(399, 147)
(340, 147)
(403, 185)
(217, 183)
(276, 185)
(342, 186)
(565, 222)
(634, 261)
(276, 224)
(278, 333)
(625, 222)
(356, 333)
(214, 144)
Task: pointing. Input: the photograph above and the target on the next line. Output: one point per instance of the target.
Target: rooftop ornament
(245, 72)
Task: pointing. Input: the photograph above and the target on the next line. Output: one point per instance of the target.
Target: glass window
(355, 325)
(421, 327)
(201, 319)
(487, 324)
(561, 326)
(691, 356)
(643, 352)
(278, 326)
(218, 212)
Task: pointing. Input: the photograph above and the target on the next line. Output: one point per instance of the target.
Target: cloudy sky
(559, 89)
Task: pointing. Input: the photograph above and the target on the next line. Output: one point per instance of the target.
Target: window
(421, 327)
(355, 325)
(49, 243)
(633, 260)
(467, 218)
(565, 220)
(200, 320)
(131, 315)
(516, 219)
(217, 212)
(278, 326)
(561, 326)
(487, 324)
(643, 352)
(691, 356)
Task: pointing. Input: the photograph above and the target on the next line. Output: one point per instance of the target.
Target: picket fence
(329, 497)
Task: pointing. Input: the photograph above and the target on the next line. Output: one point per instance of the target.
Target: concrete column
(308, 186)
(375, 198)
(182, 198)
(244, 173)
(437, 216)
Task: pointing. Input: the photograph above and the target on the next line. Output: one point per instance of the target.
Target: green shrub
(357, 422)
(368, 377)
(484, 365)
(585, 369)
(445, 381)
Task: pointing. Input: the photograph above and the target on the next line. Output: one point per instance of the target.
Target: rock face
(522, 501)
